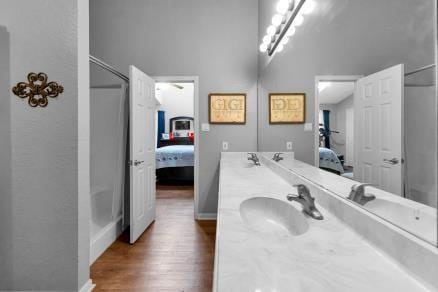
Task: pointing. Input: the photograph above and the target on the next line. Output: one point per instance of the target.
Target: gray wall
(215, 40)
(341, 37)
(421, 146)
(6, 239)
(39, 189)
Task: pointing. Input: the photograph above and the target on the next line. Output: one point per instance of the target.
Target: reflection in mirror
(373, 105)
(380, 131)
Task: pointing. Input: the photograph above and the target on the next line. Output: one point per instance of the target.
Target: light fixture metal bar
(286, 27)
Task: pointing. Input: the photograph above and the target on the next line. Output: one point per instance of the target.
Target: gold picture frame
(287, 108)
(227, 108)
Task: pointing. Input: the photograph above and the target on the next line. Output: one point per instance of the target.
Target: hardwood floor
(175, 254)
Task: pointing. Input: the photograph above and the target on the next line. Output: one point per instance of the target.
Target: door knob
(137, 162)
(392, 161)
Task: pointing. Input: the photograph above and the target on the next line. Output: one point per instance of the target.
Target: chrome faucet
(357, 194)
(307, 201)
(277, 157)
(253, 157)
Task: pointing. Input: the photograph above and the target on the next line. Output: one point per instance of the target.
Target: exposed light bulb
(267, 39)
(284, 40)
(280, 48)
(272, 30)
(263, 48)
(299, 19)
(282, 6)
(291, 31)
(277, 19)
(308, 7)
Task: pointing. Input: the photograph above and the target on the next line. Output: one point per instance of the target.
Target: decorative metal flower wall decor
(38, 89)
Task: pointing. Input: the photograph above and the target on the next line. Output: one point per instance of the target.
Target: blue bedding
(329, 159)
(175, 156)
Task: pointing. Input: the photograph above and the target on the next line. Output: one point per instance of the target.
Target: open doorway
(177, 139)
(334, 135)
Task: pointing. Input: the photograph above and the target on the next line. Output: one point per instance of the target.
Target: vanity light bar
(276, 41)
(286, 27)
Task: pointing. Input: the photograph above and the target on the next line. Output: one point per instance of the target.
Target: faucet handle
(356, 186)
(277, 155)
(292, 196)
(302, 188)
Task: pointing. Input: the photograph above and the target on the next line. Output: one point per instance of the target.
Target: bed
(328, 160)
(175, 163)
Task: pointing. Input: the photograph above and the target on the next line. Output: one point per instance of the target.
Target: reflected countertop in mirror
(416, 218)
(372, 104)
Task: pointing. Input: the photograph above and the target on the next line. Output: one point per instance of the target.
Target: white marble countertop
(328, 257)
(341, 186)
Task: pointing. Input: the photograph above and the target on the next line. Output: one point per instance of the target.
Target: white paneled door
(142, 152)
(378, 129)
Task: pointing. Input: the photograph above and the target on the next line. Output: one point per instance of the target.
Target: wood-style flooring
(175, 254)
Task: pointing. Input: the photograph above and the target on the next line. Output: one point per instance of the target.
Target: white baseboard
(101, 241)
(207, 216)
(88, 286)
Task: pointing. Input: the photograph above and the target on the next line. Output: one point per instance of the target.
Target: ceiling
(334, 92)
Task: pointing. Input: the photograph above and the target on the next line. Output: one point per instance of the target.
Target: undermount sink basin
(272, 216)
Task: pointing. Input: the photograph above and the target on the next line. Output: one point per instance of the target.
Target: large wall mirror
(374, 104)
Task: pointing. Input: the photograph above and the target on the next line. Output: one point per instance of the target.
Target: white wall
(421, 146)
(341, 37)
(177, 102)
(108, 108)
(41, 202)
(215, 40)
(338, 122)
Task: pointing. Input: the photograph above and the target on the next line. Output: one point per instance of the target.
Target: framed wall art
(287, 108)
(227, 108)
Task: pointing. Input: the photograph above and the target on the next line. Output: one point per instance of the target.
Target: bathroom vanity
(266, 243)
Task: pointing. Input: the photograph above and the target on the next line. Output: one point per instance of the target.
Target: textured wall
(5, 162)
(42, 230)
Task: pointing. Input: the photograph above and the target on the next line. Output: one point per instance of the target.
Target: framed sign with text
(287, 108)
(227, 108)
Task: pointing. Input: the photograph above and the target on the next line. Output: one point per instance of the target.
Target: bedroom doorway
(177, 145)
(334, 131)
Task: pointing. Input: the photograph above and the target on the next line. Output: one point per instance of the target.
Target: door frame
(195, 81)
(326, 78)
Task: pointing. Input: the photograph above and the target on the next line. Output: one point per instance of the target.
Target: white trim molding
(207, 216)
(88, 286)
(101, 241)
